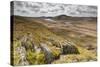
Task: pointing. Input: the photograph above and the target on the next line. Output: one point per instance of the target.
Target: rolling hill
(37, 41)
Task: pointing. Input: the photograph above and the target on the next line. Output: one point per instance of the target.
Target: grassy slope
(39, 31)
(41, 34)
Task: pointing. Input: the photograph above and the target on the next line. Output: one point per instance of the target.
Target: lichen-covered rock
(15, 54)
(19, 55)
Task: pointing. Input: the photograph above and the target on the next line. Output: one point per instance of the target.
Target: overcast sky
(37, 9)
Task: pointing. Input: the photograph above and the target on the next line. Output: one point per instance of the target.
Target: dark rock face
(70, 49)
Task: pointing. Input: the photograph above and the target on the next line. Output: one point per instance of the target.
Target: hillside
(37, 41)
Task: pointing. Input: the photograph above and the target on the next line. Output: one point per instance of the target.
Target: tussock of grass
(35, 58)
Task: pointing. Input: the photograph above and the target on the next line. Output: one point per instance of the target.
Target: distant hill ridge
(65, 17)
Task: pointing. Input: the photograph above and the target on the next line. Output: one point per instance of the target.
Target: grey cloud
(34, 9)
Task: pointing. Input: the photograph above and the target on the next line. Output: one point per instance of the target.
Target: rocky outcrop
(45, 52)
(19, 54)
(22, 54)
(69, 48)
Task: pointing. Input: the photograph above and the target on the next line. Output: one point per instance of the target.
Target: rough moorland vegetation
(35, 43)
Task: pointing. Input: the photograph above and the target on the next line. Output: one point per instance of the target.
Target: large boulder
(69, 48)
(48, 54)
